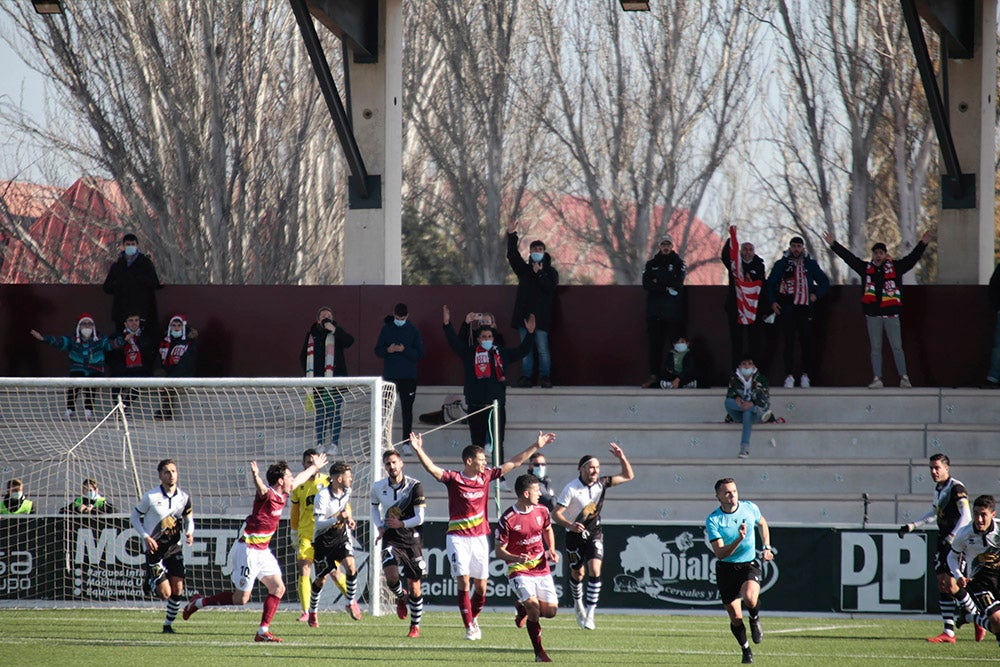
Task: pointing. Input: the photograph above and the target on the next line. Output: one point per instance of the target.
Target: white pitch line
(821, 627)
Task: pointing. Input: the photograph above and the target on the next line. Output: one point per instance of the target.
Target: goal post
(212, 428)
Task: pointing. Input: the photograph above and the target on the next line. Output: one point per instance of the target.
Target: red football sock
(464, 607)
(270, 606)
(218, 600)
(478, 602)
(535, 634)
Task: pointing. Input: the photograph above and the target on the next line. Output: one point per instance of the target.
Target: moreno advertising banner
(645, 566)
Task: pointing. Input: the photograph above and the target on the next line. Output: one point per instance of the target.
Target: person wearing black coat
(400, 347)
(745, 338)
(322, 355)
(132, 282)
(536, 289)
(179, 359)
(663, 280)
(485, 377)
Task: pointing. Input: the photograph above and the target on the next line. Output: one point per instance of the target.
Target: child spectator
(87, 351)
(15, 502)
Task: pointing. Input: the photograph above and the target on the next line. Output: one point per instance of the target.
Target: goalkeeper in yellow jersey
(302, 521)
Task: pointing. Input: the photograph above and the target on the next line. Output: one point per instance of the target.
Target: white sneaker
(589, 622)
(904, 382)
(581, 615)
(478, 630)
(789, 382)
(470, 634)
(744, 451)
(804, 381)
(68, 414)
(876, 383)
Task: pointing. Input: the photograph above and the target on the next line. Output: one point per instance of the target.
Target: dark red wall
(598, 337)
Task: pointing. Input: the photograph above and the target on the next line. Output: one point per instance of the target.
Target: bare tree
(645, 110)
(470, 149)
(208, 117)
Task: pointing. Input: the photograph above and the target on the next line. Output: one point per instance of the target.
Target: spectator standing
(882, 300)
(136, 359)
(537, 466)
(485, 376)
(179, 359)
(132, 282)
(87, 352)
(15, 501)
(747, 274)
(323, 352)
(400, 347)
(795, 284)
(536, 290)
(663, 280)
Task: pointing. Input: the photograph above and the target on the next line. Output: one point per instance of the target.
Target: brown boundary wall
(598, 337)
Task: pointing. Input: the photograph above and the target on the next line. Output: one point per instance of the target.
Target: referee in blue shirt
(730, 531)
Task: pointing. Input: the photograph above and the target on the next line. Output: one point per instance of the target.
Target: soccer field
(82, 637)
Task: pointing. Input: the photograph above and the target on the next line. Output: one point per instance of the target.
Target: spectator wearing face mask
(15, 502)
(87, 351)
(178, 358)
(90, 501)
(679, 371)
(748, 401)
(132, 282)
(537, 280)
(400, 347)
(537, 467)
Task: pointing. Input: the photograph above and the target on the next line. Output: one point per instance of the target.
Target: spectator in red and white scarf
(486, 368)
(178, 358)
(882, 300)
(322, 355)
(796, 283)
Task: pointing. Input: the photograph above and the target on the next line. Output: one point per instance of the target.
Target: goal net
(72, 547)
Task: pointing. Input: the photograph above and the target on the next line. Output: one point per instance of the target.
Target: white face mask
(681, 347)
(92, 495)
(86, 332)
(16, 495)
(176, 334)
(747, 372)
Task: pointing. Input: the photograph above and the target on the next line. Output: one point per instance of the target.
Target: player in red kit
(252, 559)
(526, 542)
(468, 544)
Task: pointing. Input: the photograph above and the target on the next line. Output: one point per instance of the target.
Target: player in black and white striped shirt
(162, 516)
(398, 506)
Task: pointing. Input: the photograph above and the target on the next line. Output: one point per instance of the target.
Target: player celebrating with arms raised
(738, 573)
(526, 542)
(468, 529)
(251, 557)
(398, 506)
(583, 498)
(159, 518)
(333, 541)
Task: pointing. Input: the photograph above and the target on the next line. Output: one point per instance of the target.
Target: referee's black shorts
(730, 577)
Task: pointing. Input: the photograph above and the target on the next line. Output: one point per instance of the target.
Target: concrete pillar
(372, 236)
(965, 236)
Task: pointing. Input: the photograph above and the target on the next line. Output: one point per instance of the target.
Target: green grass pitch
(83, 637)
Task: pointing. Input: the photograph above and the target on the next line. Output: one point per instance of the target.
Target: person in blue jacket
(400, 347)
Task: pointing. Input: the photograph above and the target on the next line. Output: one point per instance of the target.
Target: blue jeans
(747, 417)
(329, 417)
(544, 358)
(994, 374)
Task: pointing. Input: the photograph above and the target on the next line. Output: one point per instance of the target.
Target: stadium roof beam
(355, 22)
(955, 23)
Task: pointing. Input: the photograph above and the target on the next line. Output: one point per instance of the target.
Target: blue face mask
(537, 256)
(681, 347)
(487, 345)
(399, 323)
(131, 250)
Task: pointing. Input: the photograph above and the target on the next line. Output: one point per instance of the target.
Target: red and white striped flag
(747, 291)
